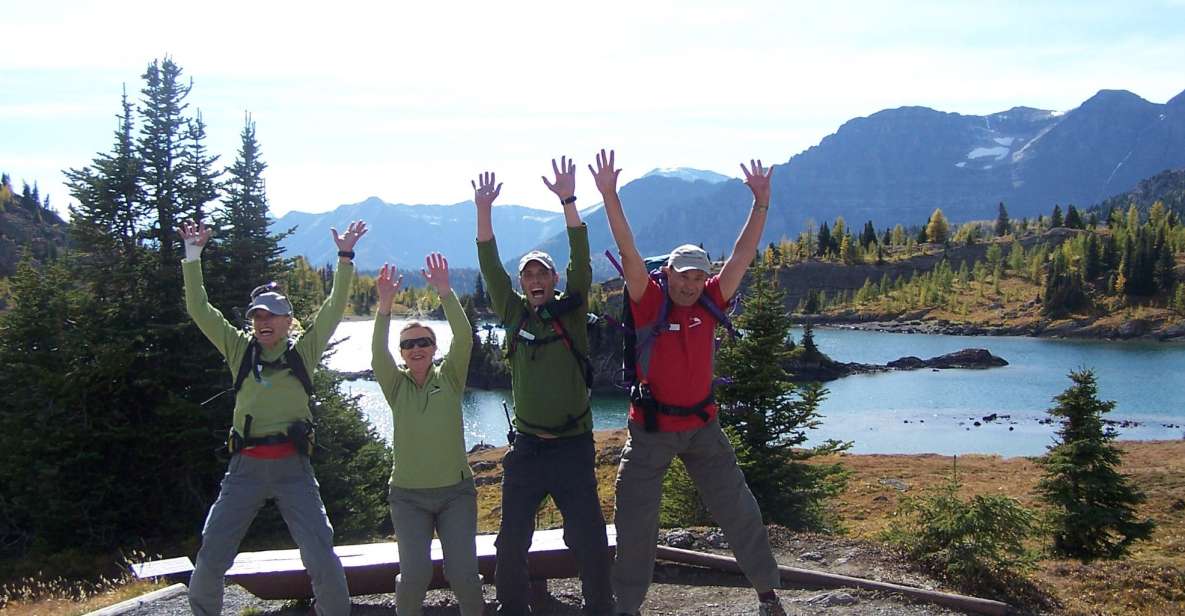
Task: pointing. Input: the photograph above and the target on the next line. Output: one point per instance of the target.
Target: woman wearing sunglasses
(431, 482)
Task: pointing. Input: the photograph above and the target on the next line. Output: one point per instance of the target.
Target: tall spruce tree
(1003, 226)
(110, 213)
(161, 146)
(1093, 503)
(198, 180)
(1073, 218)
(247, 253)
(1056, 220)
(770, 415)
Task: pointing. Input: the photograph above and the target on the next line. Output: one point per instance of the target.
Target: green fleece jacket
(429, 438)
(547, 380)
(278, 399)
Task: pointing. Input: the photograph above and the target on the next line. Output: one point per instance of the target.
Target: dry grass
(1150, 581)
(59, 598)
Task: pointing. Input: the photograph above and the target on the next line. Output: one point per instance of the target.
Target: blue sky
(408, 101)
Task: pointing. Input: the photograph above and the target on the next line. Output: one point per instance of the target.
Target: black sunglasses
(411, 343)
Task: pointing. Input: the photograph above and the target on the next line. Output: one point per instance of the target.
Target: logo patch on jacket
(695, 321)
(435, 390)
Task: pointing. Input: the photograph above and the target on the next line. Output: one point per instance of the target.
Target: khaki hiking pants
(248, 483)
(450, 512)
(712, 465)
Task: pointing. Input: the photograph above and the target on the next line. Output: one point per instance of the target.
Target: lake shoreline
(1146, 330)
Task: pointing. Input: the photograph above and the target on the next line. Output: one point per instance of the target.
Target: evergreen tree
(868, 237)
(937, 228)
(1003, 226)
(1055, 220)
(198, 179)
(1094, 505)
(247, 253)
(1063, 290)
(770, 415)
(1092, 259)
(1073, 218)
(110, 213)
(161, 146)
(824, 241)
(480, 300)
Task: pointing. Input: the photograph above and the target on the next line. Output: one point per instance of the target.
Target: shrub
(976, 544)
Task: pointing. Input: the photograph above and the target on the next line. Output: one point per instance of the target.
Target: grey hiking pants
(248, 483)
(565, 468)
(712, 465)
(451, 512)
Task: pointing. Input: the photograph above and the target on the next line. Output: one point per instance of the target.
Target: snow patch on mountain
(690, 175)
(998, 153)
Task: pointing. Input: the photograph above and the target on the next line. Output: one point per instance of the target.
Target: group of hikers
(672, 413)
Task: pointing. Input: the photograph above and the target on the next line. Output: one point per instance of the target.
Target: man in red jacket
(677, 372)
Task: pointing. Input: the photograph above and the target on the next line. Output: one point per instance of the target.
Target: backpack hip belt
(643, 398)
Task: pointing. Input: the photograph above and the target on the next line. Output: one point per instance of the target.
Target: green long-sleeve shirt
(279, 399)
(429, 438)
(547, 380)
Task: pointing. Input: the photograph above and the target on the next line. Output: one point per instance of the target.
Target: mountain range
(894, 166)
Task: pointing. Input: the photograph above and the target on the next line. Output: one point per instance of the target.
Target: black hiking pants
(563, 468)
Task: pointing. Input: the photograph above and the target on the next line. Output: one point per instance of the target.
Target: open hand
(387, 285)
(565, 178)
(195, 233)
(436, 273)
(605, 176)
(484, 190)
(757, 179)
(354, 233)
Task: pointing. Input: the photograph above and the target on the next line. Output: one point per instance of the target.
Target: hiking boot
(771, 607)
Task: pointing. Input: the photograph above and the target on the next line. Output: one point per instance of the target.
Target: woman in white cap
(432, 486)
(271, 437)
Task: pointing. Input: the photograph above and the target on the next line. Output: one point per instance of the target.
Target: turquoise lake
(922, 411)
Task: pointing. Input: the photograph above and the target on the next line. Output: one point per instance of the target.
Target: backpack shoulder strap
(646, 334)
(247, 364)
(296, 365)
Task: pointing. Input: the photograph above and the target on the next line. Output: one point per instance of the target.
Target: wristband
(571, 199)
(349, 254)
(192, 251)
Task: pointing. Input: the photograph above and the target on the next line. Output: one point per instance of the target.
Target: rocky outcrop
(828, 370)
(966, 358)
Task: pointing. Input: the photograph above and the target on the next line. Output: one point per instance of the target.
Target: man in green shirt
(553, 452)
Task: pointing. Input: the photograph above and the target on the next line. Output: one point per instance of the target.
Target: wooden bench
(370, 567)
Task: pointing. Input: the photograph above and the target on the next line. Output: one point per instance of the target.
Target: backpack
(638, 345)
(300, 433)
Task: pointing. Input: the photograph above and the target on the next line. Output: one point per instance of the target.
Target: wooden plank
(370, 568)
(172, 569)
(124, 607)
(807, 578)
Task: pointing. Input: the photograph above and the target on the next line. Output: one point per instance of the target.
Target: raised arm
(456, 363)
(313, 342)
(225, 337)
(564, 187)
(503, 299)
(605, 177)
(381, 361)
(483, 197)
(757, 179)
